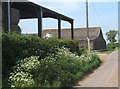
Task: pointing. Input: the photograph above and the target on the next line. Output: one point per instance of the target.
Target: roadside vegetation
(110, 48)
(112, 45)
(111, 37)
(30, 61)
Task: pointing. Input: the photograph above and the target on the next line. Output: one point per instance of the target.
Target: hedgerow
(112, 46)
(56, 70)
(17, 46)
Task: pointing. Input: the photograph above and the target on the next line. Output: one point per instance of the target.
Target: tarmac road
(104, 76)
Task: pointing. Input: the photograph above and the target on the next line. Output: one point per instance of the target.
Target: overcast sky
(101, 14)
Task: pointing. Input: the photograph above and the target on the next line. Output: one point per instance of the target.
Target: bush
(83, 49)
(21, 75)
(17, 46)
(112, 46)
(21, 79)
(56, 70)
(60, 67)
(72, 45)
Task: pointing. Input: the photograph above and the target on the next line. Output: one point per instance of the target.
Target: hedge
(112, 46)
(56, 70)
(18, 46)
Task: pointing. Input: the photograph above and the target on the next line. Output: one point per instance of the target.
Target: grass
(106, 51)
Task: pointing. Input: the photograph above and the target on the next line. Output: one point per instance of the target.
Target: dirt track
(105, 76)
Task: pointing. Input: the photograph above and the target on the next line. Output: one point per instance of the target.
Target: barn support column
(72, 30)
(59, 28)
(6, 11)
(40, 15)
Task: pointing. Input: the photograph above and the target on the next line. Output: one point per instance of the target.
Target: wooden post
(40, 15)
(59, 28)
(6, 11)
(72, 31)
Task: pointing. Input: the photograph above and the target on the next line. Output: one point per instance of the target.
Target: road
(105, 76)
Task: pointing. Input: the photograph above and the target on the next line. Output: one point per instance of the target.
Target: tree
(111, 36)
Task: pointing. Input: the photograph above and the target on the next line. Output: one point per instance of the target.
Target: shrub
(71, 44)
(89, 61)
(17, 46)
(56, 70)
(27, 64)
(83, 49)
(112, 46)
(21, 75)
(21, 79)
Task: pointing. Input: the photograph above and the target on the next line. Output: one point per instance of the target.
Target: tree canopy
(111, 36)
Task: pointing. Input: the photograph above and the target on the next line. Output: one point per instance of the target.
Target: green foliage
(112, 46)
(83, 49)
(111, 36)
(17, 46)
(21, 79)
(56, 70)
(71, 44)
(21, 75)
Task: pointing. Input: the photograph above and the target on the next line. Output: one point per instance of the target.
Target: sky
(101, 14)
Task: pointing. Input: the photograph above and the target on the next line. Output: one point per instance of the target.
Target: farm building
(30, 10)
(97, 40)
(13, 12)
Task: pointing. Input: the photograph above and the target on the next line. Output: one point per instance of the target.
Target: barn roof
(79, 33)
(28, 10)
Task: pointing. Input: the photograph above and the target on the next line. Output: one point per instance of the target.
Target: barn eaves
(31, 10)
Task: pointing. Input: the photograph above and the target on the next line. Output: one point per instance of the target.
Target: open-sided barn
(13, 12)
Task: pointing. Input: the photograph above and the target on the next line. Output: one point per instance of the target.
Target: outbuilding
(13, 11)
(97, 40)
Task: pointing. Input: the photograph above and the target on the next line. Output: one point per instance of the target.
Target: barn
(97, 40)
(12, 12)
(30, 10)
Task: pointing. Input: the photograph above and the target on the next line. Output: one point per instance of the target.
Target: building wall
(85, 43)
(14, 19)
(64, 34)
(99, 43)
